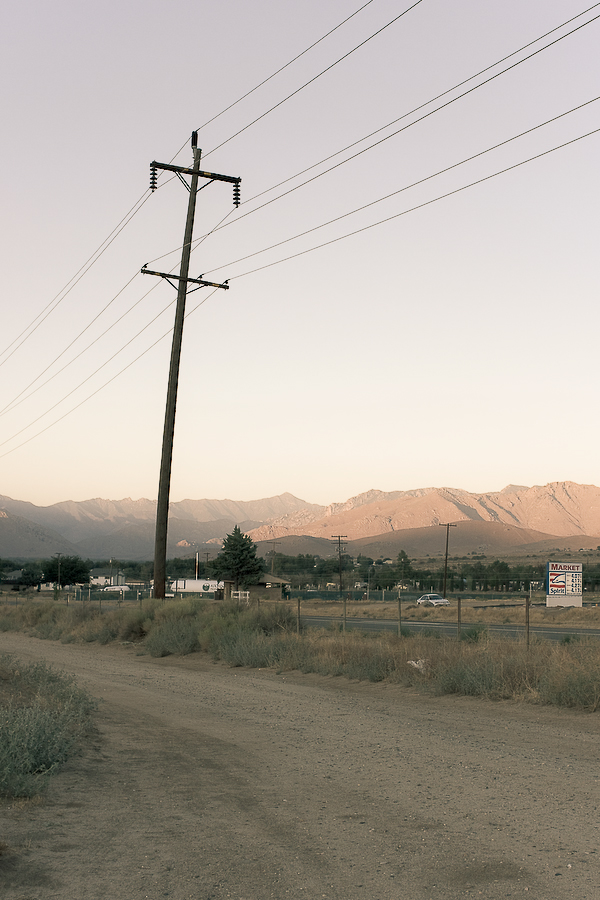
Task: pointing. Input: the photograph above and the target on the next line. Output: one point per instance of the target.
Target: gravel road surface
(210, 783)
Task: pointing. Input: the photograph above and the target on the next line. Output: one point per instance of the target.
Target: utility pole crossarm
(183, 170)
(199, 281)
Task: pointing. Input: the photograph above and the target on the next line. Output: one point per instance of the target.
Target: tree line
(238, 560)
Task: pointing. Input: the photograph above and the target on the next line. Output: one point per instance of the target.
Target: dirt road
(211, 783)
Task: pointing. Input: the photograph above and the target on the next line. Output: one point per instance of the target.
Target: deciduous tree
(73, 570)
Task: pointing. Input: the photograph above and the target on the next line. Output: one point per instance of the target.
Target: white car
(117, 587)
(433, 600)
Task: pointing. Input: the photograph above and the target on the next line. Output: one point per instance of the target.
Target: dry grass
(565, 674)
(472, 612)
(548, 673)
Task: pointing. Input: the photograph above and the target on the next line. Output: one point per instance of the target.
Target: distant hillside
(135, 540)
(20, 538)
(125, 528)
(374, 522)
(560, 508)
(488, 538)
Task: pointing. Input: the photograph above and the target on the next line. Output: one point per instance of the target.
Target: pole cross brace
(198, 281)
(232, 179)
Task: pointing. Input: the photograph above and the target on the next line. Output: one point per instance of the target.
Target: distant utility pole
(339, 538)
(273, 544)
(447, 526)
(164, 485)
(57, 557)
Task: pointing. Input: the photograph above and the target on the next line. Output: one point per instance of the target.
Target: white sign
(564, 584)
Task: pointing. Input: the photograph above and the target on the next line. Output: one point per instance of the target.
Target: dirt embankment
(217, 784)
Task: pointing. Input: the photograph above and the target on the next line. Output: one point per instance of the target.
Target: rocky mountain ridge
(558, 508)
(125, 528)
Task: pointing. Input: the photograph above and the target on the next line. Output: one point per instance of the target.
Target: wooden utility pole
(273, 544)
(339, 538)
(447, 526)
(164, 484)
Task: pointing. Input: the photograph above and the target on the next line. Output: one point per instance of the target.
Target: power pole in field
(273, 545)
(447, 526)
(339, 538)
(164, 484)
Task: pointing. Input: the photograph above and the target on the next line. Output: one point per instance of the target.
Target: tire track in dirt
(212, 783)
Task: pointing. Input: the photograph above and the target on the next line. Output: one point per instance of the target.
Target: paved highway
(552, 633)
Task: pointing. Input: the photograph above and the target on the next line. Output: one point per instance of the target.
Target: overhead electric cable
(20, 399)
(419, 206)
(13, 403)
(450, 193)
(393, 122)
(277, 72)
(16, 401)
(91, 375)
(51, 306)
(421, 106)
(275, 263)
(102, 386)
(406, 187)
(415, 121)
(57, 299)
(311, 80)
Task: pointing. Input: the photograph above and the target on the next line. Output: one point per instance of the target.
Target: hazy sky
(455, 344)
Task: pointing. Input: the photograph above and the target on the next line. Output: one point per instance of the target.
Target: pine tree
(237, 561)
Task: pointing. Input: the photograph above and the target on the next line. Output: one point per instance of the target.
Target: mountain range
(561, 515)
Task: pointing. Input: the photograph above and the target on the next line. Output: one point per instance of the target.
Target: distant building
(106, 577)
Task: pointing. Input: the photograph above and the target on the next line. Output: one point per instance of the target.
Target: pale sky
(453, 345)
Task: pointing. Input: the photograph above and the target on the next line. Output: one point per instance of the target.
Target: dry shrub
(558, 674)
(44, 715)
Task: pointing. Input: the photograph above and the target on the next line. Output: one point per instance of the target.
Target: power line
(416, 109)
(137, 206)
(311, 80)
(405, 212)
(13, 403)
(57, 300)
(16, 401)
(88, 377)
(419, 206)
(277, 72)
(93, 258)
(407, 187)
(106, 383)
(269, 265)
(404, 128)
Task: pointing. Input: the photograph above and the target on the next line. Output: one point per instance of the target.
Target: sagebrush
(566, 674)
(43, 716)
